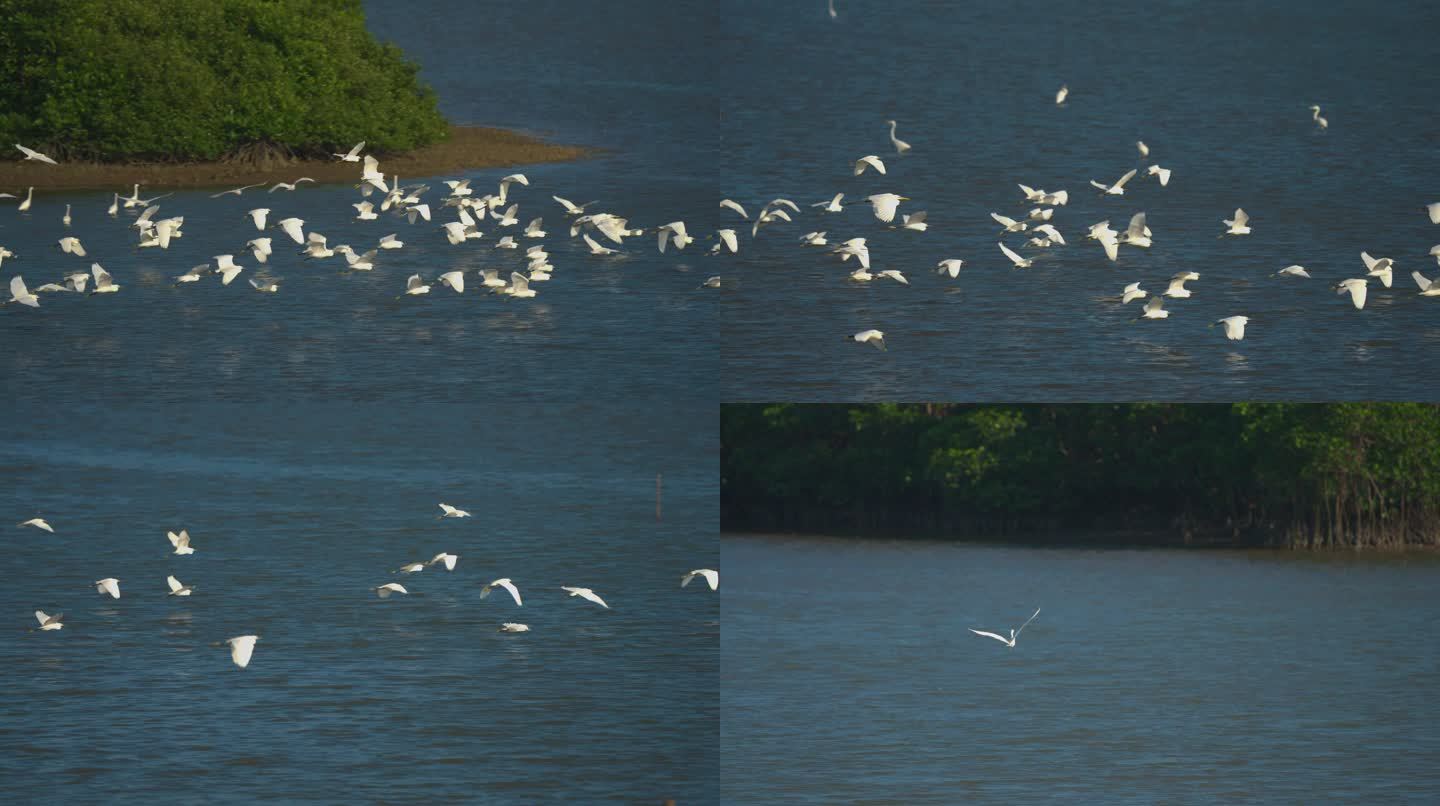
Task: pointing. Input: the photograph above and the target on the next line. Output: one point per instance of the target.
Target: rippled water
(304, 440)
(1218, 91)
(1148, 676)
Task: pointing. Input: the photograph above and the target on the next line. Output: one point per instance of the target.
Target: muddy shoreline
(467, 148)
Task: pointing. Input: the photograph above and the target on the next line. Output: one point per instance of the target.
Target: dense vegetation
(1243, 473)
(204, 79)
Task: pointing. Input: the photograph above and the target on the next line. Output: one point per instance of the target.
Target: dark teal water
(304, 440)
(1218, 90)
(850, 675)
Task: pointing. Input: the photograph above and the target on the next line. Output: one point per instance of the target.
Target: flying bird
(1014, 633)
(712, 578)
(587, 594)
(502, 583)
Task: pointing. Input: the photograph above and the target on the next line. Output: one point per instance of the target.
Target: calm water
(305, 438)
(1149, 676)
(1219, 91)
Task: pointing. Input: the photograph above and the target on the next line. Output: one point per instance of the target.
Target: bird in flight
(1014, 633)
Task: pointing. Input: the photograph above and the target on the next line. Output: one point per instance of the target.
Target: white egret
(357, 262)
(597, 249)
(71, 245)
(19, 293)
(365, 211)
(291, 227)
(181, 542)
(29, 196)
(261, 248)
(109, 585)
(1177, 287)
(1428, 287)
(731, 204)
(448, 559)
(258, 216)
(869, 161)
(893, 274)
(235, 191)
(1137, 234)
(1051, 234)
(728, 239)
(872, 337)
(390, 242)
(862, 275)
(454, 280)
(177, 589)
(1040, 214)
(519, 287)
(1020, 262)
(490, 278)
(32, 154)
(415, 286)
(38, 523)
(1142, 148)
(288, 185)
(587, 594)
(856, 248)
(1239, 225)
(570, 207)
(1131, 293)
(1356, 288)
(915, 222)
(1234, 326)
(533, 229)
(502, 583)
(1014, 633)
(1009, 224)
(227, 268)
(814, 239)
(104, 283)
(1434, 212)
(1381, 267)
(241, 648)
(832, 206)
(1293, 271)
(193, 274)
(447, 511)
(711, 282)
(712, 578)
(353, 155)
(950, 266)
(511, 626)
(65, 219)
(900, 145)
(1162, 173)
(1062, 94)
(1155, 309)
(1117, 189)
(47, 622)
(1319, 121)
(675, 233)
(384, 591)
(884, 204)
(409, 568)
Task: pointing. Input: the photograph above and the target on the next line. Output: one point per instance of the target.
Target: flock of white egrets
(1044, 234)
(402, 202)
(243, 646)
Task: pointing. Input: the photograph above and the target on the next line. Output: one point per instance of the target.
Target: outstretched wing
(999, 638)
(1027, 622)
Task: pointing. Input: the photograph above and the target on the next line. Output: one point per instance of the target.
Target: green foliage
(1311, 474)
(199, 79)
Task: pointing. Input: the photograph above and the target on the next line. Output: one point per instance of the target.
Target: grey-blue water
(1162, 676)
(305, 438)
(1219, 91)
